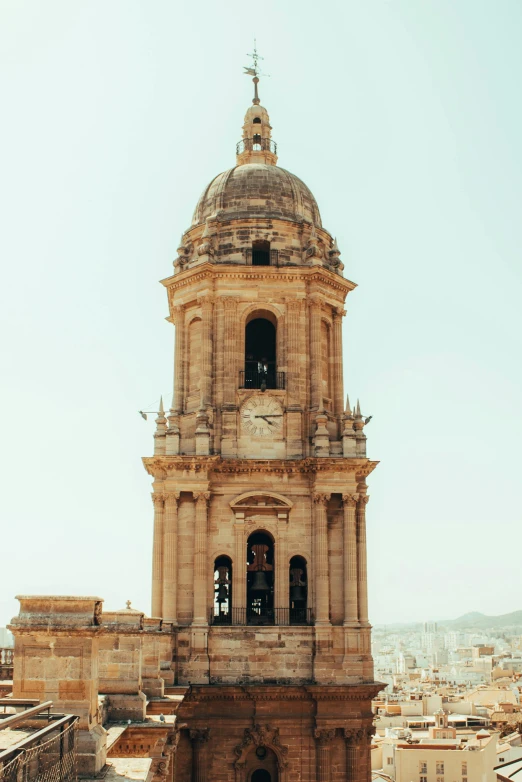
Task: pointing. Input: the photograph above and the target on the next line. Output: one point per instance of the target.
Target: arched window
(257, 120)
(260, 354)
(257, 142)
(298, 591)
(260, 579)
(260, 253)
(223, 591)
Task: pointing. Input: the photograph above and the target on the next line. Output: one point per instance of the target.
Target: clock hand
(270, 415)
(265, 419)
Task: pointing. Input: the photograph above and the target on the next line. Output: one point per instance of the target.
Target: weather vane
(254, 71)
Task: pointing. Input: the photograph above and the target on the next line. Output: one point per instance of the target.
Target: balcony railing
(271, 616)
(254, 377)
(256, 145)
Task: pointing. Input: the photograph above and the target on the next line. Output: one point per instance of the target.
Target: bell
(222, 593)
(259, 583)
(297, 594)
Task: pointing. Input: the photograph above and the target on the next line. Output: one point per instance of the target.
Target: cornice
(268, 692)
(235, 271)
(160, 466)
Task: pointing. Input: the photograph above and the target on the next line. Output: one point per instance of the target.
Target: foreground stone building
(259, 489)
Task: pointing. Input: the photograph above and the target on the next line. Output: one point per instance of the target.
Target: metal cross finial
(128, 603)
(254, 71)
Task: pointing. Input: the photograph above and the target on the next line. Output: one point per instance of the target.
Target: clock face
(262, 416)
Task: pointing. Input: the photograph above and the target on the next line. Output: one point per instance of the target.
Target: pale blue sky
(405, 120)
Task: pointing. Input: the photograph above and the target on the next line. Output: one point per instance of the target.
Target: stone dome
(257, 190)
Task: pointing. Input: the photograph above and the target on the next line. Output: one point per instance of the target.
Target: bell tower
(259, 488)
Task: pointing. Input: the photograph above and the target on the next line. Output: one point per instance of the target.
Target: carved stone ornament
(350, 500)
(185, 251)
(261, 736)
(157, 499)
(201, 497)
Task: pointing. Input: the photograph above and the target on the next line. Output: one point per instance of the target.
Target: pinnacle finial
(348, 409)
(128, 604)
(254, 71)
(358, 410)
(161, 409)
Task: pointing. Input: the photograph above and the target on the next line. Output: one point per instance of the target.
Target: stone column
(200, 559)
(178, 316)
(206, 351)
(351, 616)
(230, 380)
(337, 333)
(170, 552)
(316, 394)
(324, 739)
(199, 738)
(239, 571)
(293, 309)
(362, 576)
(281, 570)
(157, 555)
(353, 755)
(320, 533)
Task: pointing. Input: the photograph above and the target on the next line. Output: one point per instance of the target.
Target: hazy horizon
(404, 121)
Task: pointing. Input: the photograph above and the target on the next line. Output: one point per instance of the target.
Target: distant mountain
(473, 620)
(478, 621)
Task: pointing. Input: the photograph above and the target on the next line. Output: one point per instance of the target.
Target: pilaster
(315, 303)
(362, 576)
(321, 570)
(157, 555)
(324, 738)
(170, 547)
(351, 616)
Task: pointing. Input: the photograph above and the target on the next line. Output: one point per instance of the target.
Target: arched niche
(261, 750)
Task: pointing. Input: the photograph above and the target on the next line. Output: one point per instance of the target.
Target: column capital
(353, 735)
(338, 313)
(201, 497)
(364, 499)
(320, 498)
(315, 301)
(350, 500)
(172, 497)
(177, 312)
(229, 302)
(293, 305)
(324, 735)
(200, 735)
(157, 498)
(206, 300)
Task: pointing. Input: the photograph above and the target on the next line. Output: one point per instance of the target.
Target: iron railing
(271, 616)
(48, 755)
(256, 144)
(254, 378)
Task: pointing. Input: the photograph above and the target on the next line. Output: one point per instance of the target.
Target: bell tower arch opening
(223, 591)
(260, 578)
(260, 351)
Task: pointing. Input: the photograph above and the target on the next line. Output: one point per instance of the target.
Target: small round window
(261, 753)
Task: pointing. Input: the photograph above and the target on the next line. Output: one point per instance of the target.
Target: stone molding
(350, 500)
(161, 466)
